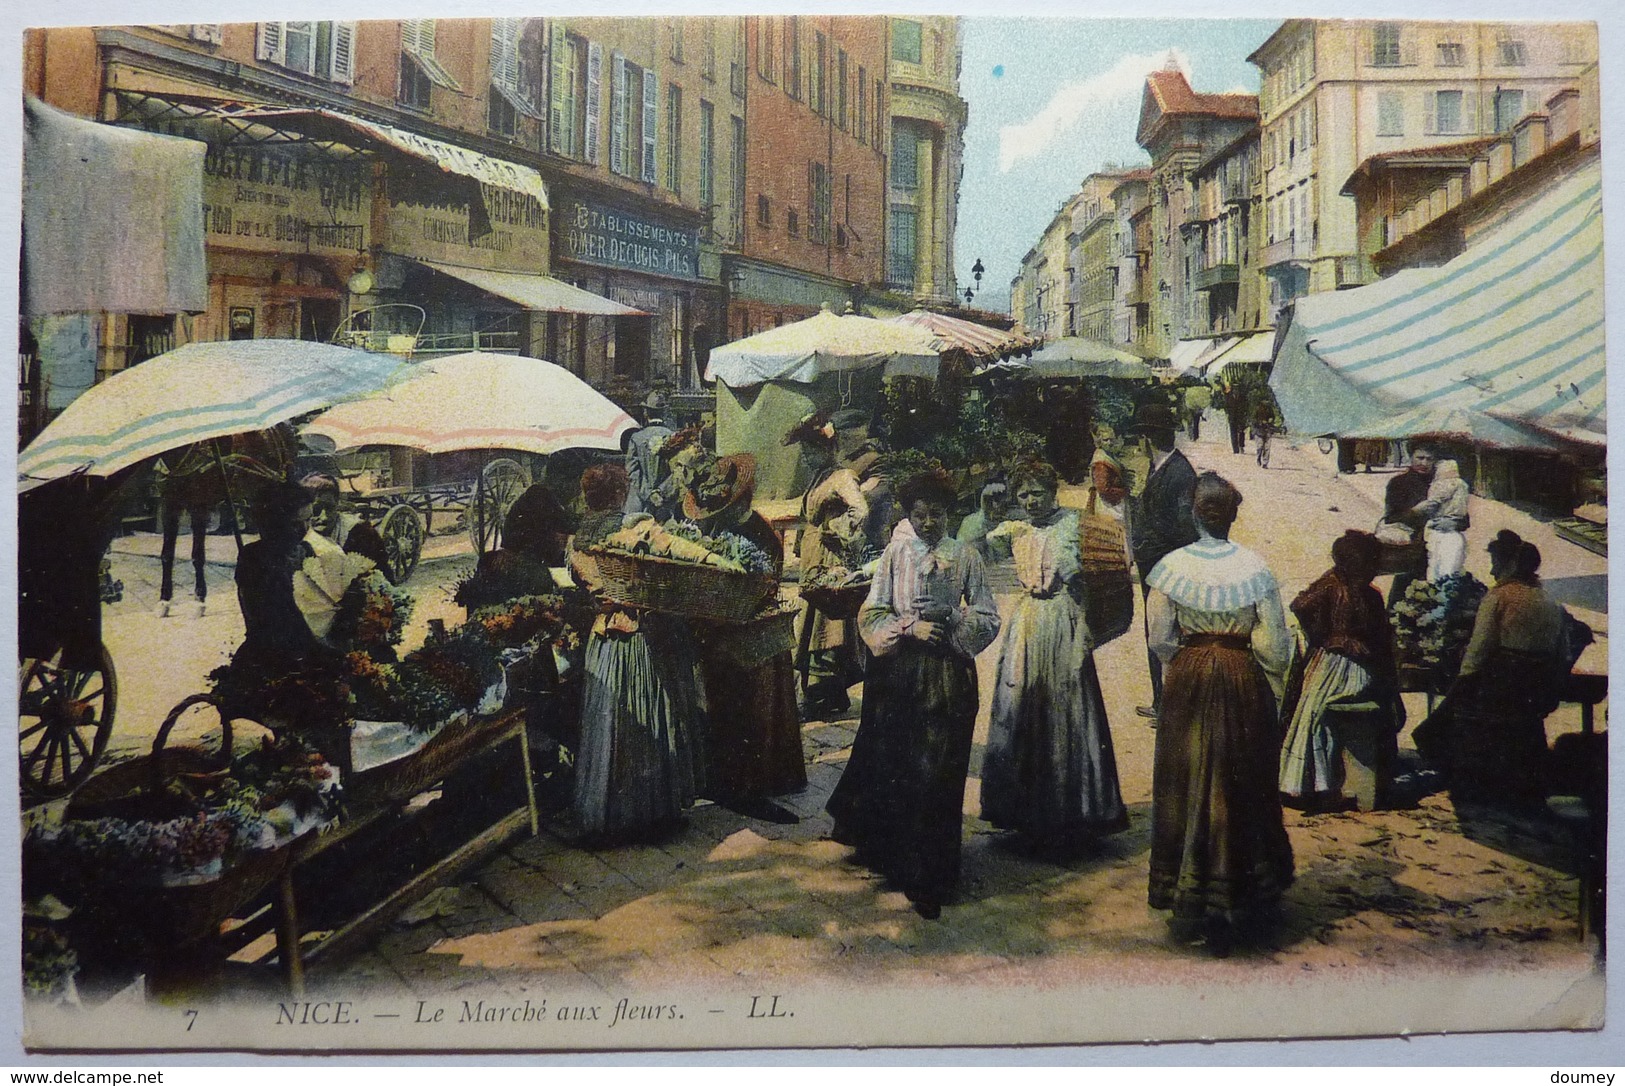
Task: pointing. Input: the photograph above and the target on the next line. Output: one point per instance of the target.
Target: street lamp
(969, 294)
(976, 271)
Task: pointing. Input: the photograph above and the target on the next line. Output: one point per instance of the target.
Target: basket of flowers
(1433, 622)
(837, 592)
(675, 568)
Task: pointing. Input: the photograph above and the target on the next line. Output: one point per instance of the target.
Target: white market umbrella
(824, 343)
(193, 393)
(478, 400)
(977, 341)
(1078, 356)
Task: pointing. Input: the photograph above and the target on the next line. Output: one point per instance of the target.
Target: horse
(196, 478)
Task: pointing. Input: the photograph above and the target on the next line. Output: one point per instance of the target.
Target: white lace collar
(1213, 575)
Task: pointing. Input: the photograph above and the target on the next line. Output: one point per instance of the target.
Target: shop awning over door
(112, 219)
(542, 293)
(1512, 328)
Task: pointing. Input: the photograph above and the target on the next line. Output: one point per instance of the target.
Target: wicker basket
(682, 588)
(144, 781)
(405, 777)
(842, 602)
(748, 645)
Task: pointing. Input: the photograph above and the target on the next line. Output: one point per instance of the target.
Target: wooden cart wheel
(403, 532)
(499, 486)
(64, 719)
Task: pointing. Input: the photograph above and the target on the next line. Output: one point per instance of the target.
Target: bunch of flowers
(317, 697)
(520, 621)
(114, 850)
(731, 547)
(283, 769)
(1434, 621)
(371, 616)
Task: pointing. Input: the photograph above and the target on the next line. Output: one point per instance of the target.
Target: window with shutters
(905, 40)
(1385, 45)
(511, 95)
(765, 51)
(320, 49)
(841, 117)
(818, 203)
(1510, 52)
(1508, 109)
(674, 138)
(1390, 113)
(1451, 54)
(905, 160)
(592, 105)
(792, 223)
(419, 63)
(902, 229)
(415, 87)
(674, 40)
(818, 84)
(764, 211)
(863, 105)
(565, 110)
(634, 131)
(1446, 112)
(708, 157)
(648, 124)
(792, 56)
(299, 47)
(736, 177)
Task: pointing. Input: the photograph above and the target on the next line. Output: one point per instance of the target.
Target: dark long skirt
(753, 747)
(900, 802)
(1218, 846)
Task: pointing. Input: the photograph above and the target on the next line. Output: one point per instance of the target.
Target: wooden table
(379, 795)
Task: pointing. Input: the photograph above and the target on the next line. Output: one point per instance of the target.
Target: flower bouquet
(371, 616)
(1433, 623)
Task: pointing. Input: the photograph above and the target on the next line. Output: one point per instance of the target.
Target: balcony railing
(1285, 251)
(1354, 271)
(1218, 275)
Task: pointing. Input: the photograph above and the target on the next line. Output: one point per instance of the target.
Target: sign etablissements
(260, 200)
(516, 241)
(610, 237)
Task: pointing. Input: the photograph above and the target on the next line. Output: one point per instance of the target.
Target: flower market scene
(463, 583)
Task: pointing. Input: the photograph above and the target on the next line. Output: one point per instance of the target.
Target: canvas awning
(1512, 328)
(1256, 349)
(1186, 355)
(975, 340)
(542, 293)
(825, 343)
(112, 219)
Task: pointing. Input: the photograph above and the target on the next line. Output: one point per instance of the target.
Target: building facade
(1181, 129)
(1224, 231)
(1334, 93)
(926, 152)
(1094, 257)
(1132, 305)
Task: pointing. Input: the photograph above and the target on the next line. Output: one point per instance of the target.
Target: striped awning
(1512, 329)
(976, 340)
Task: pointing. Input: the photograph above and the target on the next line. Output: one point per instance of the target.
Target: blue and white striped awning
(1511, 329)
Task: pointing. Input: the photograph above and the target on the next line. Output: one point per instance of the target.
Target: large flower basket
(750, 644)
(837, 602)
(682, 588)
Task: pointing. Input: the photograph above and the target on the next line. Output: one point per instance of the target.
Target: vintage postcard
(566, 531)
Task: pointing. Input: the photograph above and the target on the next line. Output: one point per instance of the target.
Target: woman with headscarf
(753, 745)
(900, 801)
(834, 510)
(1219, 850)
(1049, 772)
(637, 768)
(1350, 646)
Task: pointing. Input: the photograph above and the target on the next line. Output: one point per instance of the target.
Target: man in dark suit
(1163, 521)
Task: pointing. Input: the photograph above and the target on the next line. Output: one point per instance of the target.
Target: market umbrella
(977, 341)
(191, 394)
(479, 400)
(1076, 356)
(825, 343)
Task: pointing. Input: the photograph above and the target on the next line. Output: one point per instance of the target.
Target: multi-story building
(1132, 306)
(927, 145)
(1094, 257)
(1334, 93)
(1181, 129)
(815, 178)
(1224, 231)
(1043, 286)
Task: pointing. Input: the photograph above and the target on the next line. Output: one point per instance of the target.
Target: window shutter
(268, 45)
(510, 65)
(1430, 123)
(555, 95)
(595, 78)
(617, 113)
(425, 37)
(1470, 124)
(651, 125)
(342, 59)
(411, 36)
(1407, 51)
(499, 51)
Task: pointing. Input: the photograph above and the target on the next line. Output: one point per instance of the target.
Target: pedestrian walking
(1198, 398)
(1236, 412)
(900, 801)
(1350, 645)
(1049, 772)
(1162, 523)
(1219, 851)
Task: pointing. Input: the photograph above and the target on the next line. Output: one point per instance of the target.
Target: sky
(1053, 100)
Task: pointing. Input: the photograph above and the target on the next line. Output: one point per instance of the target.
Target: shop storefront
(763, 296)
(646, 260)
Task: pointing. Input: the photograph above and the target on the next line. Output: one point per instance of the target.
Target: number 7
(191, 1020)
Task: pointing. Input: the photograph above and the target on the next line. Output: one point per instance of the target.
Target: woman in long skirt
(1049, 771)
(1219, 850)
(1351, 661)
(641, 713)
(900, 802)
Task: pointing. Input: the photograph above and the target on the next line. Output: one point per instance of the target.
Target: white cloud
(1072, 103)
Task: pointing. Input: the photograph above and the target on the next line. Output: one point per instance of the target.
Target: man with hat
(645, 470)
(753, 749)
(1163, 523)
